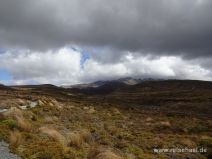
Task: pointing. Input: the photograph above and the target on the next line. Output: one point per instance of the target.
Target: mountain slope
(3, 87)
(179, 96)
(126, 80)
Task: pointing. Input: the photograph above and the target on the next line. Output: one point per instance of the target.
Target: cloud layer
(64, 67)
(167, 27)
(139, 38)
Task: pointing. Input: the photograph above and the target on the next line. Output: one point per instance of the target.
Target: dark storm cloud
(174, 27)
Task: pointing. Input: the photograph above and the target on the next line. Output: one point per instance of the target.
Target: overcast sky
(77, 41)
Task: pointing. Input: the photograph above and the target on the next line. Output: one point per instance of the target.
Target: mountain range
(120, 81)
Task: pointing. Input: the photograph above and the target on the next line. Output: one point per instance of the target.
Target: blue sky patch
(2, 50)
(84, 58)
(5, 75)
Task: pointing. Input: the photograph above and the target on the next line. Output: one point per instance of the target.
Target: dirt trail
(5, 152)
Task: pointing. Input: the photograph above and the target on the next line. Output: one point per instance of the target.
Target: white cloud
(145, 67)
(64, 67)
(51, 67)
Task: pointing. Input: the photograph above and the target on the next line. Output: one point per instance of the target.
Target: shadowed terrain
(109, 121)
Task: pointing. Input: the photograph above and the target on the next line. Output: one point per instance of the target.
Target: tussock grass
(17, 115)
(77, 138)
(103, 153)
(13, 112)
(15, 139)
(121, 124)
(23, 124)
(54, 134)
(85, 135)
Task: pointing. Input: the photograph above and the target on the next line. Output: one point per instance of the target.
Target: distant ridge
(108, 86)
(137, 85)
(36, 86)
(125, 80)
(3, 87)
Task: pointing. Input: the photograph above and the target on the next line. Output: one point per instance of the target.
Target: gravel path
(5, 152)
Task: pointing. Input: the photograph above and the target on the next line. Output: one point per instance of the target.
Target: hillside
(3, 87)
(180, 96)
(124, 81)
(115, 120)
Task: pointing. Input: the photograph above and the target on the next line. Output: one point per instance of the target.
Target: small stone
(149, 119)
(165, 123)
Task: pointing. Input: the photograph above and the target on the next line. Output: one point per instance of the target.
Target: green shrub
(10, 123)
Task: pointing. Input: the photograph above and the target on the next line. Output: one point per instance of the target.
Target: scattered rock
(21, 102)
(30, 105)
(33, 104)
(165, 123)
(86, 108)
(149, 119)
(71, 106)
(51, 104)
(24, 107)
(116, 111)
(91, 110)
(3, 110)
(40, 103)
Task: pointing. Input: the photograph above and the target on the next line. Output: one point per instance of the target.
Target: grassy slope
(129, 121)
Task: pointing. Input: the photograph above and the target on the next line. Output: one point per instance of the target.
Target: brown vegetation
(15, 139)
(125, 123)
(54, 134)
(102, 153)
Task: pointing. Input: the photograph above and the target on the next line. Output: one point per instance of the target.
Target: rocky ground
(5, 152)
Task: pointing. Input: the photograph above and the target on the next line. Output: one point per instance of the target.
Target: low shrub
(54, 134)
(12, 124)
(102, 153)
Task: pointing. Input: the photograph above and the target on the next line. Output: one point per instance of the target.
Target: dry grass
(165, 123)
(23, 124)
(102, 153)
(75, 139)
(49, 120)
(15, 139)
(17, 115)
(126, 123)
(54, 134)
(2, 117)
(14, 112)
(85, 135)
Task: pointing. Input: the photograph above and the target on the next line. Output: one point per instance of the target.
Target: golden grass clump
(103, 153)
(23, 124)
(44, 149)
(13, 112)
(86, 135)
(116, 111)
(77, 138)
(15, 139)
(17, 115)
(54, 134)
(49, 120)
